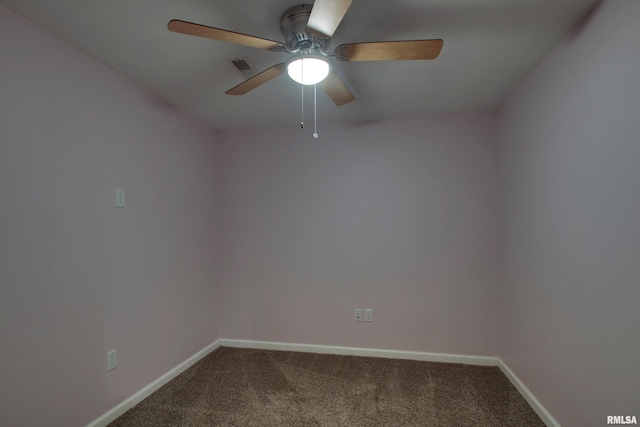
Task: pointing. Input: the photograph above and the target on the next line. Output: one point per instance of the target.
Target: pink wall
(78, 276)
(571, 213)
(398, 216)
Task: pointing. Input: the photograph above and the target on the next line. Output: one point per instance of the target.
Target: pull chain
(302, 103)
(315, 113)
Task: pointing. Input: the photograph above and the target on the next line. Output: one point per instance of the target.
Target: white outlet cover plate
(112, 360)
(368, 315)
(120, 197)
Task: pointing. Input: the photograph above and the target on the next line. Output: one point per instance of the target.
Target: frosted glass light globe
(308, 70)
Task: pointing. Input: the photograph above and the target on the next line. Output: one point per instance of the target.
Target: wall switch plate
(368, 315)
(112, 361)
(120, 197)
(357, 316)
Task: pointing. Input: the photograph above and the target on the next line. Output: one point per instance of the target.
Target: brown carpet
(241, 387)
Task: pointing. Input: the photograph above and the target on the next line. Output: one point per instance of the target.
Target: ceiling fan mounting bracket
(293, 25)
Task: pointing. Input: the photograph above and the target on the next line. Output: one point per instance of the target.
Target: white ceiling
(489, 47)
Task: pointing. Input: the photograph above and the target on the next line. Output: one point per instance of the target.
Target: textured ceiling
(489, 47)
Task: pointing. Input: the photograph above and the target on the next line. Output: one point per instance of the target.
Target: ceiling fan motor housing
(293, 25)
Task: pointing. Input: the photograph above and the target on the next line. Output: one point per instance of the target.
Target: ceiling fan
(308, 30)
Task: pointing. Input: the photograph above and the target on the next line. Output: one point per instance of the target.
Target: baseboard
(353, 351)
(129, 403)
(544, 415)
(138, 397)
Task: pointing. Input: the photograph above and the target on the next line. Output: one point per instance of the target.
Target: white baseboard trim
(138, 397)
(397, 354)
(544, 415)
(133, 400)
(353, 351)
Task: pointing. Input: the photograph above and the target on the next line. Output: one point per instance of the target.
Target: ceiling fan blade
(257, 80)
(326, 16)
(192, 29)
(390, 51)
(336, 89)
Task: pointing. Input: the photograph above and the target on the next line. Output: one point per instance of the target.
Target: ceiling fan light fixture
(308, 69)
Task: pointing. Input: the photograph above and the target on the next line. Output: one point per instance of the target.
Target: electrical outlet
(120, 197)
(112, 361)
(368, 315)
(357, 315)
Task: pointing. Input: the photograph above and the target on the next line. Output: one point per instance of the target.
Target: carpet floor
(244, 387)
